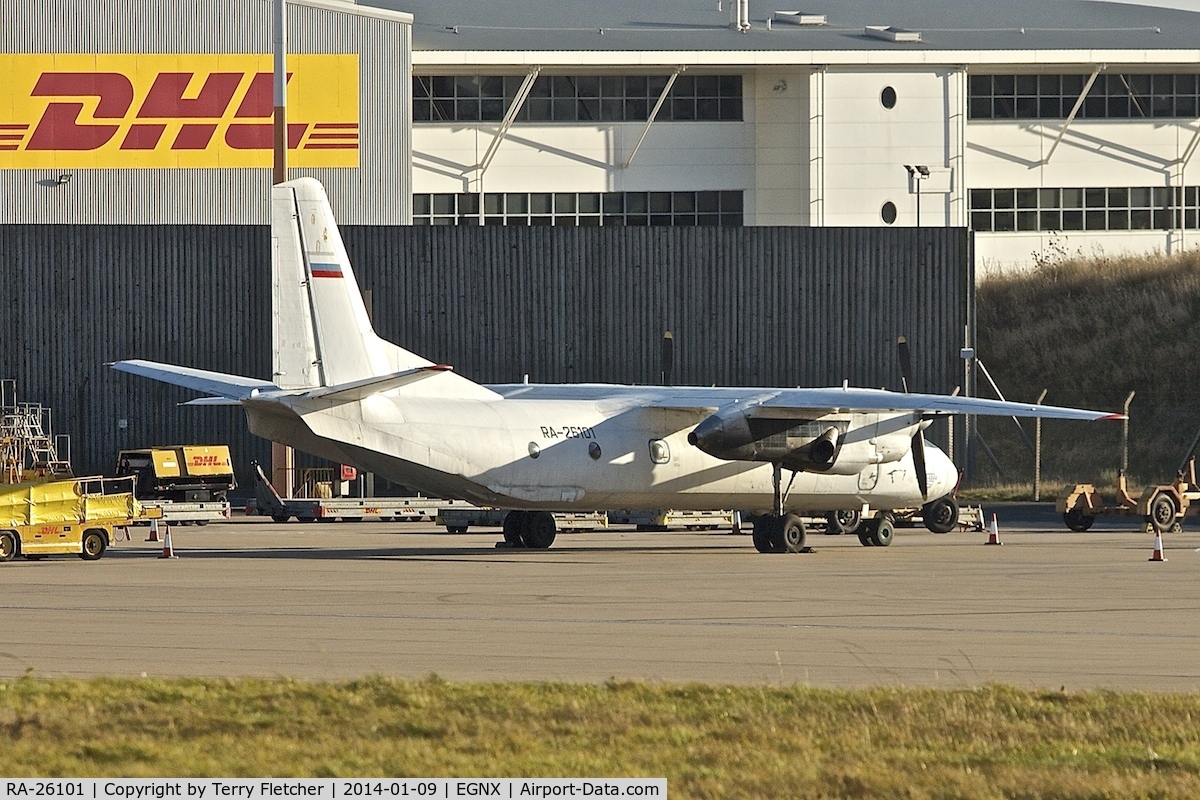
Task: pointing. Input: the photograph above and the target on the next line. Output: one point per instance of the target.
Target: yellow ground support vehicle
(185, 473)
(75, 516)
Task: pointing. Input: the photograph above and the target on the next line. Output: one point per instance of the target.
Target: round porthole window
(594, 451)
(888, 97)
(534, 450)
(888, 212)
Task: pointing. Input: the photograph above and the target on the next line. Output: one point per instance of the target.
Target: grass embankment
(1090, 330)
(718, 742)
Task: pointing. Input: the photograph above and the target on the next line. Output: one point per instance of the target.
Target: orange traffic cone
(153, 537)
(1157, 555)
(994, 533)
(168, 551)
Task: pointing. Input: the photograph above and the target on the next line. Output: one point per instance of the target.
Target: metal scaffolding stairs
(28, 447)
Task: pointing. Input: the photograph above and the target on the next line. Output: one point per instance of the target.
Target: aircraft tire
(759, 536)
(866, 532)
(768, 534)
(839, 522)
(941, 515)
(791, 532)
(538, 530)
(883, 531)
(512, 528)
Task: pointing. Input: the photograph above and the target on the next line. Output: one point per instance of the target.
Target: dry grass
(1090, 331)
(709, 742)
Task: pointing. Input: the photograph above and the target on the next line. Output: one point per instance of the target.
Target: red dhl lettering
(173, 110)
(60, 127)
(206, 461)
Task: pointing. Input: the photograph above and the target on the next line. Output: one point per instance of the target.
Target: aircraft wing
(805, 403)
(810, 403)
(231, 387)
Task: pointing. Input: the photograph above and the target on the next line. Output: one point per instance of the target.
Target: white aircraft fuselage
(602, 451)
(341, 392)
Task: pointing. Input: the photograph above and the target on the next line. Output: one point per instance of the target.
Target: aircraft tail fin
(321, 334)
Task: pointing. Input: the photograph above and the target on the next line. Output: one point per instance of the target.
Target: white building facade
(1049, 128)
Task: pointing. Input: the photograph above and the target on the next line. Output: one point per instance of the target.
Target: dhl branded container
(189, 473)
(71, 516)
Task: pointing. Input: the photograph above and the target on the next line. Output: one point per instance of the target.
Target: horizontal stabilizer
(366, 387)
(212, 401)
(232, 387)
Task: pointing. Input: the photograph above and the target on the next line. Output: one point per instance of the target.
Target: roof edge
(813, 58)
(352, 7)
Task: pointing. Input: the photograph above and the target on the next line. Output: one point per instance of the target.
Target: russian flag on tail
(326, 270)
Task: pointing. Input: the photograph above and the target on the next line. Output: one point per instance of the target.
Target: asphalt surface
(322, 601)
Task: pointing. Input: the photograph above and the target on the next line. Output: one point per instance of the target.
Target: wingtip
(1114, 417)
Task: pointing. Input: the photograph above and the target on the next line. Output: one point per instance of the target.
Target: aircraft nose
(945, 471)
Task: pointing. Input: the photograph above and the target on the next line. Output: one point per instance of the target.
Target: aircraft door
(868, 478)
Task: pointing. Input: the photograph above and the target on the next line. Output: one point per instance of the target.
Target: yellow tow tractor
(76, 516)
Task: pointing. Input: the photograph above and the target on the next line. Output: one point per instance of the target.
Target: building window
(1112, 96)
(1085, 209)
(888, 212)
(581, 208)
(581, 98)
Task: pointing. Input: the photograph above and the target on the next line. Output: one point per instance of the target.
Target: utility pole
(283, 458)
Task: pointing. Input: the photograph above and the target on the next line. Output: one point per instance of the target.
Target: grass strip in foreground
(708, 741)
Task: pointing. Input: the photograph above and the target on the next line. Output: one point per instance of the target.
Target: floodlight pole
(283, 458)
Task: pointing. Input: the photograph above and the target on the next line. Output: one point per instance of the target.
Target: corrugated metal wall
(378, 192)
(764, 306)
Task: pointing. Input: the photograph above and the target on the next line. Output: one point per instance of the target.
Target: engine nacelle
(810, 445)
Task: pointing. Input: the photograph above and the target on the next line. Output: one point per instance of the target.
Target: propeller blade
(918, 451)
(905, 363)
(668, 358)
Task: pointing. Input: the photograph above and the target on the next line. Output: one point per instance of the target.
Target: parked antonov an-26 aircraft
(342, 393)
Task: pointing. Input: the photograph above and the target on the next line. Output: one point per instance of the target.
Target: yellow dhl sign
(81, 111)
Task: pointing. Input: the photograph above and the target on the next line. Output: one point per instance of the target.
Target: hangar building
(137, 132)
(1042, 125)
(1045, 126)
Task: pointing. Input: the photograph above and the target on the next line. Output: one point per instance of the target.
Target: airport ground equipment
(74, 516)
(458, 518)
(29, 448)
(672, 519)
(347, 509)
(201, 512)
(1162, 507)
(180, 473)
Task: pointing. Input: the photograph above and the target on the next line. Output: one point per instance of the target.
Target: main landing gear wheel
(768, 534)
(512, 529)
(878, 532)
(940, 515)
(778, 534)
(791, 532)
(533, 529)
(839, 522)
